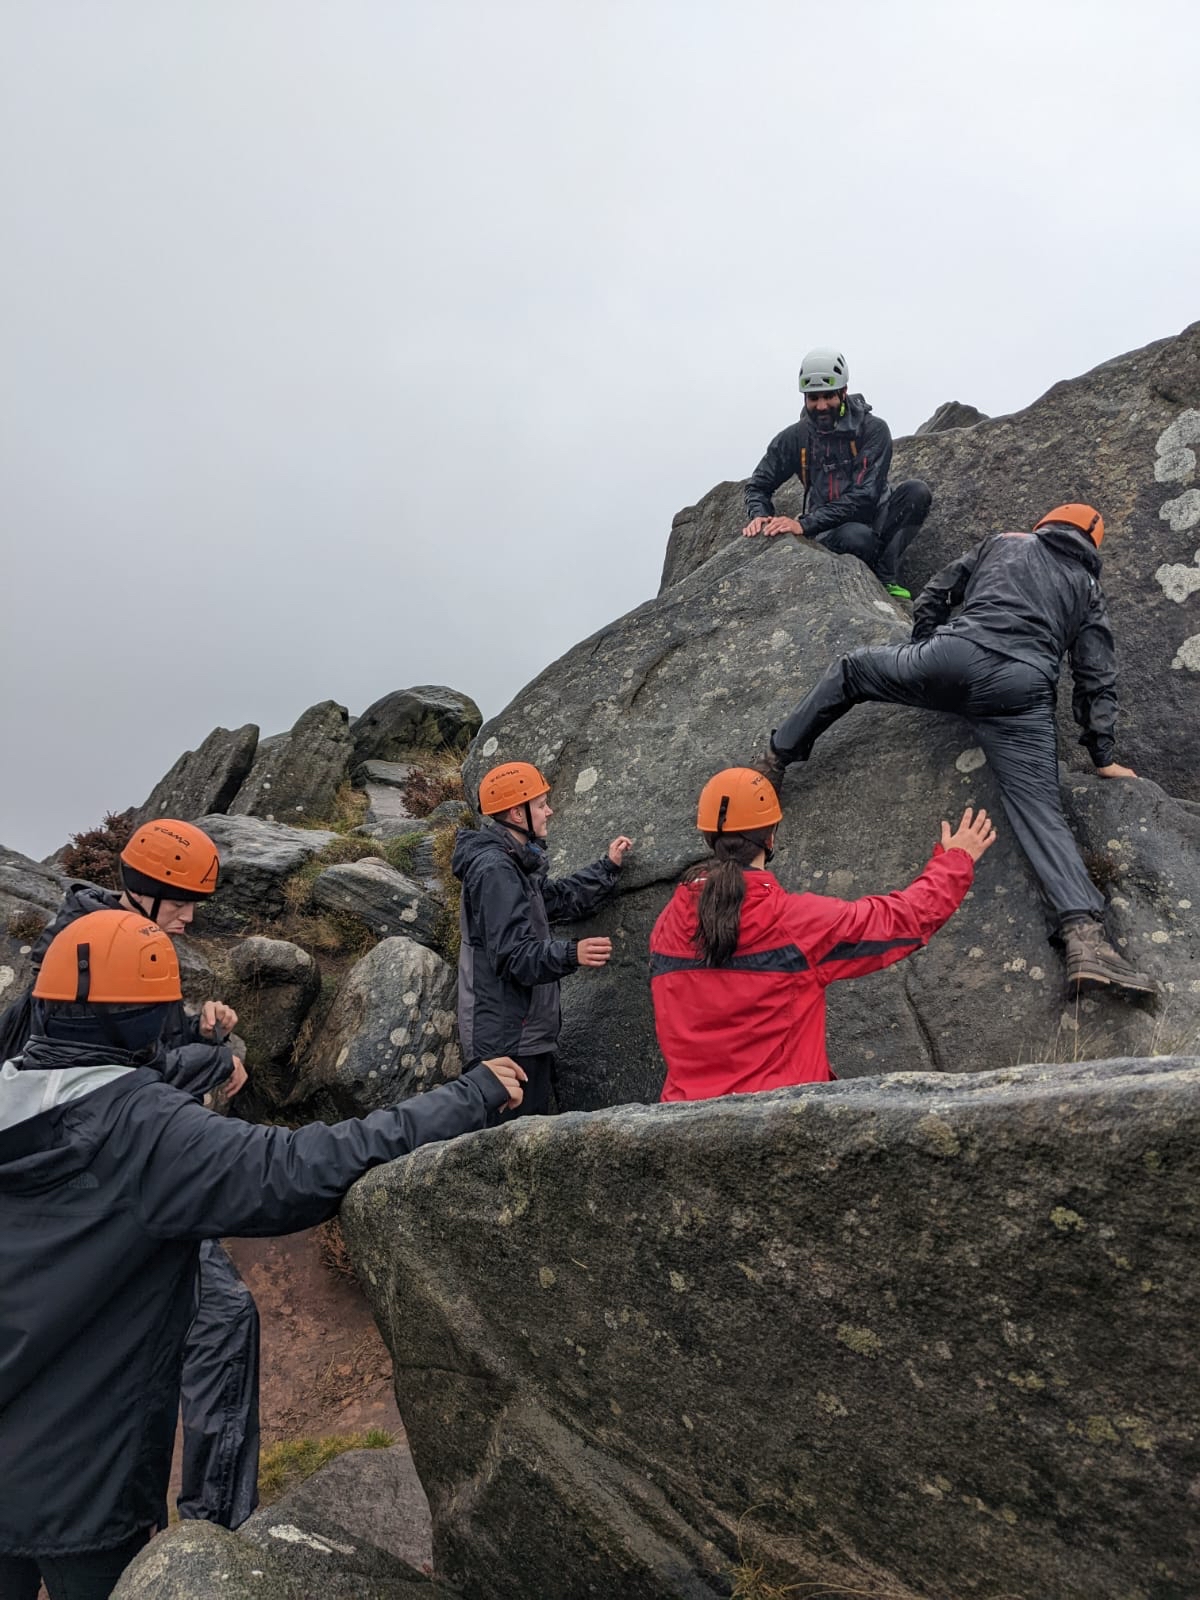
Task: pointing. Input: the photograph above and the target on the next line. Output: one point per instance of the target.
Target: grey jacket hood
(36, 1152)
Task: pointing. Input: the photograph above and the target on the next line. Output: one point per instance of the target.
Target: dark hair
(720, 908)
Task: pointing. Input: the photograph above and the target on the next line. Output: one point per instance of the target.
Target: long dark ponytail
(720, 908)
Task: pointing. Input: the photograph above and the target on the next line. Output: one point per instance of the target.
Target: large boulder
(257, 859)
(296, 775)
(206, 780)
(276, 983)
(631, 723)
(1125, 437)
(911, 1336)
(428, 716)
(952, 414)
(389, 1034)
(383, 897)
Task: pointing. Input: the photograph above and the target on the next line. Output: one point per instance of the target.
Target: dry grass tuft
(289, 1461)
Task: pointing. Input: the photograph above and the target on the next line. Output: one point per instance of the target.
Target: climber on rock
(509, 966)
(841, 453)
(739, 967)
(1025, 600)
(110, 1181)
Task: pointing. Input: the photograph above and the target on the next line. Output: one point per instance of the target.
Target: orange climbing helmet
(1086, 518)
(169, 860)
(736, 800)
(514, 784)
(110, 958)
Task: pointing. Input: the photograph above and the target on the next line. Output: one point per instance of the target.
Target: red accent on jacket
(760, 1022)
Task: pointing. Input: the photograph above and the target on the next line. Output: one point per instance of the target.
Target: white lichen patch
(971, 760)
(1177, 435)
(1177, 466)
(1183, 512)
(1188, 654)
(1177, 582)
(1160, 936)
(289, 1533)
(490, 746)
(7, 978)
(587, 779)
(780, 639)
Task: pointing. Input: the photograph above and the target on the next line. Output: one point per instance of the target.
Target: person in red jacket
(738, 966)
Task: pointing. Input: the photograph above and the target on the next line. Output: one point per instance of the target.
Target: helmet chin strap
(515, 827)
(155, 906)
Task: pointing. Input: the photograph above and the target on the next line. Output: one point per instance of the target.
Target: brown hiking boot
(1091, 960)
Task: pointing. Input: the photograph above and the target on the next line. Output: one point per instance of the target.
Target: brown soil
(324, 1368)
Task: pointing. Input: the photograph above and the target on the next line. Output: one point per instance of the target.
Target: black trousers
(539, 1070)
(90, 1575)
(1009, 707)
(882, 544)
(219, 1397)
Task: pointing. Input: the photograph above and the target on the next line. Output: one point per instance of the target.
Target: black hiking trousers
(87, 1575)
(540, 1074)
(1009, 706)
(219, 1397)
(881, 544)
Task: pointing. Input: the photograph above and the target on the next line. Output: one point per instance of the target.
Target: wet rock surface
(386, 899)
(205, 780)
(296, 775)
(916, 1336)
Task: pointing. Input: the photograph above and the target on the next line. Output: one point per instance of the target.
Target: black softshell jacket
(193, 1064)
(103, 1200)
(508, 965)
(1035, 597)
(844, 470)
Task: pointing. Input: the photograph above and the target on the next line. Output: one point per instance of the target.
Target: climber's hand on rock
(754, 527)
(974, 834)
(511, 1077)
(619, 849)
(216, 1016)
(783, 525)
(594, 952)
(1114, 770)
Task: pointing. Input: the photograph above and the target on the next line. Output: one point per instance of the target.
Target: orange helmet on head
(514, 784)
(736, 800)
(110, 958)
(1076, 515)
(169, 860)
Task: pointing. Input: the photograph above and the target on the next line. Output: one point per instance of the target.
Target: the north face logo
(82, 1180)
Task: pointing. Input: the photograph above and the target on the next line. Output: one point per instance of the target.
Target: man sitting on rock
(508, 966)
(109, 1180)
(167, 866)
(1025, 599)
(841, 454)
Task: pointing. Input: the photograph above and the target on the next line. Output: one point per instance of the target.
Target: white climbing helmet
(823, 371)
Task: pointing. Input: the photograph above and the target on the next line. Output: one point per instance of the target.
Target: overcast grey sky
(351, 345)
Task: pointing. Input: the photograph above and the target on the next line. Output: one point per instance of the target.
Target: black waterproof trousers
(882, 544)
(219, 1397)
(88, 1575)
(1010, 709)
(540, 1079)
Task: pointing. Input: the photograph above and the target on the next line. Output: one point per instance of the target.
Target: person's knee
(851, 539)
(917, 499)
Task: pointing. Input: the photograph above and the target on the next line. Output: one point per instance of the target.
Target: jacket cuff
(1101, 748)
(493, 1091)
(571, 954)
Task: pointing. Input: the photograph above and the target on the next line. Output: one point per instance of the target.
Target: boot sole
(1082, 982)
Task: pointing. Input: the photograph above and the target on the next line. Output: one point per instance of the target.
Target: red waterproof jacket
(759, 1023)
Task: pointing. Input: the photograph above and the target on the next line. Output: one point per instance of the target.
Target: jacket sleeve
(570, 899)
(499, 915)
(943, 592)
(197, 1068)
(207, 1177)
(849, 938)
(1094, 670)
(781, 462)
(859, 503)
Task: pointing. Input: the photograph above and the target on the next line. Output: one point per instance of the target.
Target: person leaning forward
(109, 1180)
(1025, 600)
(509, 966)
(841, 453)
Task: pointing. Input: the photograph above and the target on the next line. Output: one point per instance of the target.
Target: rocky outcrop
(297, 1549)
(389, 1034)
(1124, 437)
(387, 900)
(429, 716)
(295, 776)
(952, 414)
(257, 858)
(631, 723)
(204, 781)
(916, 1336)
(276, 983)
(30, 893)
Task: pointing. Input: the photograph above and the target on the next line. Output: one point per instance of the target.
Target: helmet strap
(155, 906)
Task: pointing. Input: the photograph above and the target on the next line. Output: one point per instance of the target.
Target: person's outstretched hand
(511, 1077)
(1115, 770)
(593, 952)
(619, 849)
(974, 834)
